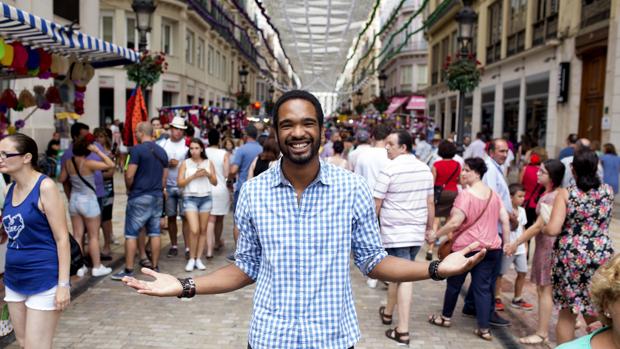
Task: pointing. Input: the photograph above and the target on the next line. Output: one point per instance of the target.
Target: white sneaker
(191, 263)
(200, 265)
(82, 271)
(101, 271)
(372, 283)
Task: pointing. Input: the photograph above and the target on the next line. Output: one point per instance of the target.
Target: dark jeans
(482, 287)
(470, 305)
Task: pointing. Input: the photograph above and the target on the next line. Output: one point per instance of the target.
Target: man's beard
(300, 159)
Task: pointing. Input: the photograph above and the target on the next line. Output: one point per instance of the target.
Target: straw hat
(178, 122)
(82, 74)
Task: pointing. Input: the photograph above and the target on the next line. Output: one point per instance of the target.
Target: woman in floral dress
(580, 218)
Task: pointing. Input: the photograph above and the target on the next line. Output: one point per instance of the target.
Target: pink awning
(395, 104)
(416, 103)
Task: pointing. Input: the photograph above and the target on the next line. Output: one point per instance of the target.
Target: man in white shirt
(404, 198)
(363, 139)
(177, 151)
(568, 180)
(370, 161)
(477, 148)
(423, 150)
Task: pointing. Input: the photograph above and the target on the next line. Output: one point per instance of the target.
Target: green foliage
(381, 104)
(243, 99)
(462, 74)
(149, 70)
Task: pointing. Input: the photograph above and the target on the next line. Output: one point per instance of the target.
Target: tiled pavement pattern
(110, 315)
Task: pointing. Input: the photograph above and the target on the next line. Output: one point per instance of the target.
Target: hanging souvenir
(8, 98)
(39, 95)
(7, 59)
(26, 99)
(53, 95)
(20, 58)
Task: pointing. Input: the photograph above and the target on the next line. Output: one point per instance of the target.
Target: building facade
(544, 62)
(206, 43)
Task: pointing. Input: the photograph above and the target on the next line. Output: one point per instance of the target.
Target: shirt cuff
(373, 262)
(247, 268)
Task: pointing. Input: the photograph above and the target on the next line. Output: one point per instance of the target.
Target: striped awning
(37, 32)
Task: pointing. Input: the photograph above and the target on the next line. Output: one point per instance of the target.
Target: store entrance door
(592, 93)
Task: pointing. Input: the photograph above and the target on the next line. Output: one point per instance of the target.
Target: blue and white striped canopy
(34, 31)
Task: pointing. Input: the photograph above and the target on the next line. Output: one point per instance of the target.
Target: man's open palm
(456, 263)
(164, 285)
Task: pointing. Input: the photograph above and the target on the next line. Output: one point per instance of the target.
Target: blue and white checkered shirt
(298, 254)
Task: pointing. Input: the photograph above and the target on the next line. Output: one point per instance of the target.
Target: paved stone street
(109, 315)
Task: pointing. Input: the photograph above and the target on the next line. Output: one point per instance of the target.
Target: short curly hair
(605, 287)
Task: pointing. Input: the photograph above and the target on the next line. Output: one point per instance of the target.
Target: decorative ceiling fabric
(317, 35)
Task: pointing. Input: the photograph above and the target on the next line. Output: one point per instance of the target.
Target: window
(445, 52)
(107, 27)
(224, 67)
(68, 9)
(167, 98)
(406, 76)
(201, 54)
(189, 47)
(132, 38)
(545, 21)
(218, 64)
(422, 78)
(166, 37)
(210, 60)
(436, 63)
(495, 32)
(516, 26)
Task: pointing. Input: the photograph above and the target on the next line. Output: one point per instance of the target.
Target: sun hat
(178, 122)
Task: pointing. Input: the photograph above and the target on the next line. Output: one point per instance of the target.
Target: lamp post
(243, 77)
(144, 11)
(382, 80)
(271, 91)
(466, 19)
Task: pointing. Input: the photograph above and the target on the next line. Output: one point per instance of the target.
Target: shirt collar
(278, 178)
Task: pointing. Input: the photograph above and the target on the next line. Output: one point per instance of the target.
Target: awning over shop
(37, 32)
(416, 103)
(395, 104)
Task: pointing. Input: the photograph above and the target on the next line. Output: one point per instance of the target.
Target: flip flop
(439, 320)
(145, 262)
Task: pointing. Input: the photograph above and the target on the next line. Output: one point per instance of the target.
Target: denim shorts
(84, 205)
(143, 211)
(197, 204)
(404, 252)
(519, 260)
(174, 201)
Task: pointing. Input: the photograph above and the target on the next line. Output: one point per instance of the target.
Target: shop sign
(563, 82)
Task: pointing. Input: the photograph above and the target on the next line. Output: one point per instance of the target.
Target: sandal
(397, 336)
(484, 334)
(385, 318)
(439, 320)
(533, 339)
(145, 262)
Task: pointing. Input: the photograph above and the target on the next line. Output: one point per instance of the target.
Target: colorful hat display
(53, 95)
(26, 99)
(7, 59)
(8, 98)
(2, 50)
(20, 57)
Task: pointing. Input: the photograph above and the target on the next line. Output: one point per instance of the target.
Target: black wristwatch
(189, 288)
(433, 271)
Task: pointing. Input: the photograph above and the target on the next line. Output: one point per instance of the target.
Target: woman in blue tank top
(38, 256)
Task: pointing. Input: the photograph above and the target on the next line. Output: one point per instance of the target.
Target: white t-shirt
(514, 235)
(354, 154)
(174, 150)
(404, 185)
(475, 150)
(369, 162)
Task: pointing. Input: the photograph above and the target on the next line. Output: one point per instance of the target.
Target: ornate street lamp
(243, 77)
(144, 10)
(271, 91)
(466, 19)
(359, 108)
(382, 79)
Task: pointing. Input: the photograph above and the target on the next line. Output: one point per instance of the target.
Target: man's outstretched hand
(164, 285)
(456, 263)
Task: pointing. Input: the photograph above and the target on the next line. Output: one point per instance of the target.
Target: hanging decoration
(462, 74)
(148, 70)
(203, 116)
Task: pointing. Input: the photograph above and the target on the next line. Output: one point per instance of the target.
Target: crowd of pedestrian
(386, 191)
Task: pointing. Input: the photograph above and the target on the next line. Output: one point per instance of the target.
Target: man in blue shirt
(299, 222)
(145, 180)
(240, 166)
(569, 150)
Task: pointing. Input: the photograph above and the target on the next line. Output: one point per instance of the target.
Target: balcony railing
(594, 11)
(516, 42)
(494, 52)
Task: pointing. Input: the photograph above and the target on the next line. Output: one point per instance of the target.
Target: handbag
(438, 189)
(445, 248)
(6, 326)
(77, 259)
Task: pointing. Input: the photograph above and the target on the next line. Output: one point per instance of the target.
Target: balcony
(594, 11)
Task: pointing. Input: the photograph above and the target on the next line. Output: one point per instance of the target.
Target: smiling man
(299, 222)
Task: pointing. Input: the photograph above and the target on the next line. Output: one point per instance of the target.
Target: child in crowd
(519, 259)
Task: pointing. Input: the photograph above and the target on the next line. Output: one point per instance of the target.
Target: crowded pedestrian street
(310, 174)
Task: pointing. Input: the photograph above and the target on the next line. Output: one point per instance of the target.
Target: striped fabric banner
(34, 31)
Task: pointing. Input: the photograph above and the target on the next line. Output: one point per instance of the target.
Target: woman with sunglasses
(36, 276)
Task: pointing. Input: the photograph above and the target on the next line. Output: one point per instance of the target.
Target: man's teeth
(299, 146)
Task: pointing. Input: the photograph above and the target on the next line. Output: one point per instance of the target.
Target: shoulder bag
(445, 248)
(438, 189)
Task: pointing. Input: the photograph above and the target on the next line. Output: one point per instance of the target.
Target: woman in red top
(533, 189)
(446, 173)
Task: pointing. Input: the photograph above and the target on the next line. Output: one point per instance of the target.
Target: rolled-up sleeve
(248, 253)
(366, 244)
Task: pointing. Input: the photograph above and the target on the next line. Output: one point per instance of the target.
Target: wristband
(433, 271)
(189, 288)
(64, 284)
